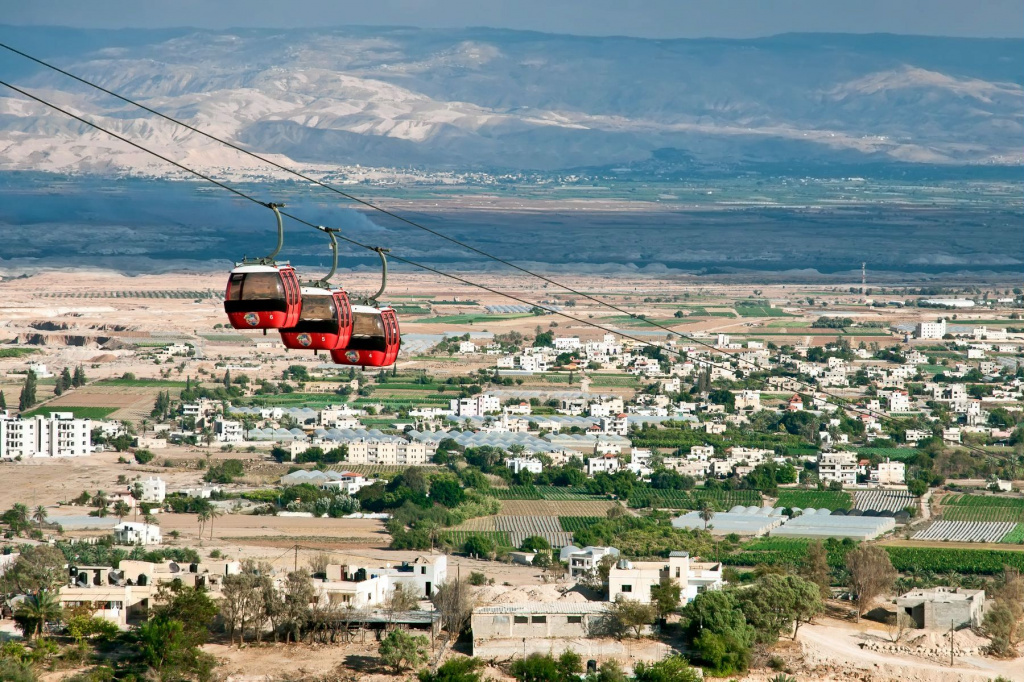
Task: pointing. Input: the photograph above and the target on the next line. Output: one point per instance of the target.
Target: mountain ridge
(500, 100)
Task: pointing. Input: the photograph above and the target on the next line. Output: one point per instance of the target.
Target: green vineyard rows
(550, 492)
(691, 499)
(781, 551)
(457, 538)
(515, 492)
(1015, 536)
(572, 524)
(814, 499)
(984, 561)
(969, 513)
(984, 501)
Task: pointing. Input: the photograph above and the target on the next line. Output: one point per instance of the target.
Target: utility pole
(295, 565)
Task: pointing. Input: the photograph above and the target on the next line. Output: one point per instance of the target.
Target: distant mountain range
(507, 101)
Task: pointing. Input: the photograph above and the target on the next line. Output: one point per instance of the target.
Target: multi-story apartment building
(393, 452)
(56, 435)
(838, 466)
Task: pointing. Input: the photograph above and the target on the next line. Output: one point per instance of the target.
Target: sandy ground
(831, 650)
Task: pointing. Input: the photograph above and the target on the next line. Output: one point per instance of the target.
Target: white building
(617, 425)
(391, 452)
(129, 533)
(153, 489)
(748, 400)
(931, 330)
(608, 464)
(228, 431)
(838, 466)
(531, 464)
(58, 435)
(606, 407)
(586, 560)
(634, 579)
(475, 406)
(565, 344)
(889, 473)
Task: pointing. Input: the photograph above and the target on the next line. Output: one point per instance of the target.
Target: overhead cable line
(841, 402)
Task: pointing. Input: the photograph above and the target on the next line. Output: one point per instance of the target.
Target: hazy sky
(646, 18)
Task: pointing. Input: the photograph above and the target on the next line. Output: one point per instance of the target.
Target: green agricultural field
(227, 338)
(692, 499)
(550, 492)
(79, 412)
(983, 508)
(457, 538)
(814, 499)
(516, 492)
(898, 454)
(758, 309)
(16, 352)
(572, 524)
(944, 560)
(470, 319)
(998, 514)
(142, 383)
(1015, 536)
(784, 551)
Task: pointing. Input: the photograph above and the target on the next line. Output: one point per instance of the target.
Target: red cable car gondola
(325, 322)
(376, 338)
(262, 294)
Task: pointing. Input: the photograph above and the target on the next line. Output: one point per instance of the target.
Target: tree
(569, 664)
(777, 603)
(28, 392)
(1004, 620)
(3, 401)
(871, 575)
(672, 669)
(35, 611)
(121, 509)
(536, 668)
(455, 670)
(144, 456)
(447, 492)
(39, 515)
(39, 568)
(666, 596)
(401, 650)
(298, 595)
(191, 606)
(65, 379)
(215, 513)
(17, 518)
(478, 545)
(815, 568)
(79, 378)
(718, 632)
(629, 614)
(454, 601)
(707, 512)
(535, 543)
(401, 598)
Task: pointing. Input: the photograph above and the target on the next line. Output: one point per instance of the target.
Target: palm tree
(20, 517)
(36, 610)
(214, 513)
(121, 509)
(39, 515)
(148, 518)
(707, 512)
(202, 517)
(100, 500)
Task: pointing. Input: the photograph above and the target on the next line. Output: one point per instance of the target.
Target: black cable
(612, 306)
(841, 401)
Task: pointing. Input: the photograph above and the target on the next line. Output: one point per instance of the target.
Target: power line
(841, 402)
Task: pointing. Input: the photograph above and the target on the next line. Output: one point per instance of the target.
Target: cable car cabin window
(255, 286)
(367, 333)
(255, 291)
(319, 316)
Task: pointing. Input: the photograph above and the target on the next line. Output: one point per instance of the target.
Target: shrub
(144, 456)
